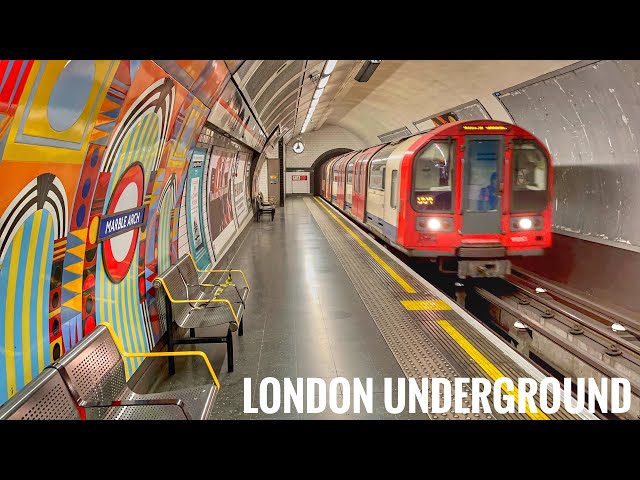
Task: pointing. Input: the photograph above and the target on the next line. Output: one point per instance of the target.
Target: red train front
(473, 193)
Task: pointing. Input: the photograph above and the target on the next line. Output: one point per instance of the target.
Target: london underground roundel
(119, 248)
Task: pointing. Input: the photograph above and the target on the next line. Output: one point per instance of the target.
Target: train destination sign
(485, 128)
(120, 222)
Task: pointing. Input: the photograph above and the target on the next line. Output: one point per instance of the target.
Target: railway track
(564, 333)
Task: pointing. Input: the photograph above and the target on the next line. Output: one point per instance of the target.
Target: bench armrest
(227, 270)
(177, 402)
(194, 301)
(202, 284)
(166, 354)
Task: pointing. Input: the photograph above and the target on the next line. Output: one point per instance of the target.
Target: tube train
(467, 194)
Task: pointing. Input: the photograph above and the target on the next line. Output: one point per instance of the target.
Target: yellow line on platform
(425, 305)
(484, 363)
(408, 288)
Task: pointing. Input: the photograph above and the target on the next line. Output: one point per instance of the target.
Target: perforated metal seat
(183, 299)
(44, 398)
(94, 371)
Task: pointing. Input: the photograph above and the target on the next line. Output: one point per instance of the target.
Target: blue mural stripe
(4, 278)
(66, 278)
(117, 168)
(143, 132)
(134, 65)
(73, 241)
(39, 277)
(101, 141)
(23, 67)
(107, 127)
(6, 73)
(112, 113)
(66, 338)
(127, 307)
(67, 313)
(133, 151)
(70, 258)
(148, 152)
(138, 319)
(21, 351)
(47, 244)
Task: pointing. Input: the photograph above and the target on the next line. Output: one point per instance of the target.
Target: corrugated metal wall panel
(589, 119)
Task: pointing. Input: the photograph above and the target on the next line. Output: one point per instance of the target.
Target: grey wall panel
(473, 111)
(589, 119)
(469, 111)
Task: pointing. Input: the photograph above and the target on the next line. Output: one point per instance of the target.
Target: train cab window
(394, 189)
(529, 180)
(433, 177)
(376, 174)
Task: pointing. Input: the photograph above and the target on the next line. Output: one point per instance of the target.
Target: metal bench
(183, 299)
(89, 383)
(263, 207)
(46, 397)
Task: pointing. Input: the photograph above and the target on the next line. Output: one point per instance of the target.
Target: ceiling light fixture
(322, 82)
(368, 67)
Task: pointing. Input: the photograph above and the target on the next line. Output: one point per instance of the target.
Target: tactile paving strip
(427, 320)
(416, 354)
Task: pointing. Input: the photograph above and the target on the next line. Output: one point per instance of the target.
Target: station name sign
(485, 128)
(121, 222)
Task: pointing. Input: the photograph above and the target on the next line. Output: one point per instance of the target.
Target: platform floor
(325, 302)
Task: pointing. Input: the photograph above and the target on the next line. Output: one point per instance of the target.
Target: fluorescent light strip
(324, 79)
(328, 68)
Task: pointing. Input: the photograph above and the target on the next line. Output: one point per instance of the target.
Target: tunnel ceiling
(399, 93)
(280, 91)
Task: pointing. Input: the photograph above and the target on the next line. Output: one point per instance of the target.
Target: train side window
(350, 172)
(376, 175)
(529, 178)
(394, 189)
(433, 177)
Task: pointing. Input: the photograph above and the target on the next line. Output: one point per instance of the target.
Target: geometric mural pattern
(71, 131)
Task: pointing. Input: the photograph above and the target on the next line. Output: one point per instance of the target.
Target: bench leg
(192, 332)
(241, 329)
(229, 351)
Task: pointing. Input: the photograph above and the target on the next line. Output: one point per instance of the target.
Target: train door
(358, 193)
(482, 167)
(348, 194)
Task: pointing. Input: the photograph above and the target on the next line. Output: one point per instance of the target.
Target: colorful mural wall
(95, 155)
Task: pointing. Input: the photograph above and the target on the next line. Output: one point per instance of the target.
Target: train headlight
(434, 224)
(519, 224)
(525, 223)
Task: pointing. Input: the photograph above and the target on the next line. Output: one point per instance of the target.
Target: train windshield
(433, 177)
(529, 184)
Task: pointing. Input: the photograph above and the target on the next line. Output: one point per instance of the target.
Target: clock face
(298, 147)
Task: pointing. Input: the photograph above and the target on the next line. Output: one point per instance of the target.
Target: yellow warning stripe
(425, 305)
(408, 288)
(486, 365)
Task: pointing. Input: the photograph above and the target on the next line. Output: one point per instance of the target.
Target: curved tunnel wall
(81, 142)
